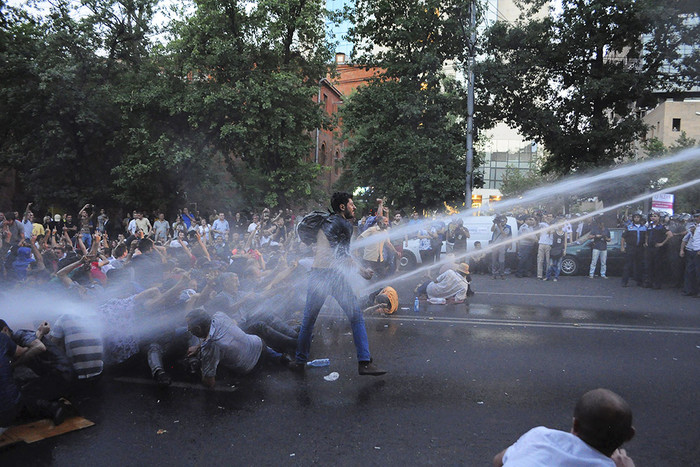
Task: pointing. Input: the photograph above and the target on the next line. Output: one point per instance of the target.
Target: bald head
(603, 420)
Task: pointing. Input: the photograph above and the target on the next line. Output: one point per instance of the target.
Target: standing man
(458, 238)
(501, 233)
(161, 229)
(101, 220)
(658, 236)
(14, 228)
(544, 245)
(28, 222)
(526, 245)
(633, 240)
(220, 227)
(690, 250)
(143, 224)
(373, 254)
(331, 264)
(601, 236)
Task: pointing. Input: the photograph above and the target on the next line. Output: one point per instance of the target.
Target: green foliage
(404, 144)
(516, 181)
(93, 109)
(562, 80)
(255, 69)
(405, 131)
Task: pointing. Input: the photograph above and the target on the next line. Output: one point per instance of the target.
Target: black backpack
(308, 228)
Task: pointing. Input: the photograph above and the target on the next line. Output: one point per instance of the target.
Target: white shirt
(220, 226)
(545, 236)
(252, 227)
(693, 240)
(229, 345)
(449, 284)
(544, 447)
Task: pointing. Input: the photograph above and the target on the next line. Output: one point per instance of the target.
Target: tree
(571, 81)
(253, 71)
(405, 129)
(94, 109)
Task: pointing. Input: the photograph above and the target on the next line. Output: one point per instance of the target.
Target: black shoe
(59, 413)
(369, 368)
(163, 379)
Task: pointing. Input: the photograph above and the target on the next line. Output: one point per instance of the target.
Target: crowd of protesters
(162, 290)
(142, 288)
(192, 294)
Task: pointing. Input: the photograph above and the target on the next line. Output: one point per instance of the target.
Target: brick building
(328, 149)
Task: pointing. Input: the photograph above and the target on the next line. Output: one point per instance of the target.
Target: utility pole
(470, 105)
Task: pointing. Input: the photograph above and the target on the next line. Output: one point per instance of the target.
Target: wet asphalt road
(464, 382)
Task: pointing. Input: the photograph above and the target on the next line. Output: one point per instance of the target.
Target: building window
(337, 163)
(676, 125)
(323, 154)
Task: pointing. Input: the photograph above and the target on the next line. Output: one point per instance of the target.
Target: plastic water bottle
(319, 362)
(416, 305)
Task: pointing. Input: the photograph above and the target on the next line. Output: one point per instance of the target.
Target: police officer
(633, 241)
(658, 236)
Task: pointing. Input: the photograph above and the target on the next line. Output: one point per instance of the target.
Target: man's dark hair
(145, 245)
(338, 198)
(119, 250)
(383, 299)
(10, 216)
(603, 420)
(198, 318)
(4, 325)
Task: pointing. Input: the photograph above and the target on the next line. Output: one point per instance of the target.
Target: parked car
(578, 256)
(479, 230)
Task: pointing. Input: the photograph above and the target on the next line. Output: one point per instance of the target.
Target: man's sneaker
(603, 277)
(591, 277)
(555, 280)
(163, 379)
(369, 368)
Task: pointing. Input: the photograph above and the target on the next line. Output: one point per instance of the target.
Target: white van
(479, 231)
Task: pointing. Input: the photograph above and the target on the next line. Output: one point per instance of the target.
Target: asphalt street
(464, 382)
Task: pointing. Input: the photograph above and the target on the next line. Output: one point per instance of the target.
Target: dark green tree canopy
(572, 82)
(406, 129)
(94, 108)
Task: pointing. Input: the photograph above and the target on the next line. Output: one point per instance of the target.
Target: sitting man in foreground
(602, 422)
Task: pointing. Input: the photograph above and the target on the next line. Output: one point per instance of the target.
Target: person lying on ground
(221, 341)
(453, 284)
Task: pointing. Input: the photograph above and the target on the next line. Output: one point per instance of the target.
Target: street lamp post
(470, 106)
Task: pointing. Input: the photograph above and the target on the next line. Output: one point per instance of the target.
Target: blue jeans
(554, 267)
(603, 255)
(322, 283)
(87, 240)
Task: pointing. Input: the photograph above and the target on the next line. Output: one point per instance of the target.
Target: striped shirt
(83, 344)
